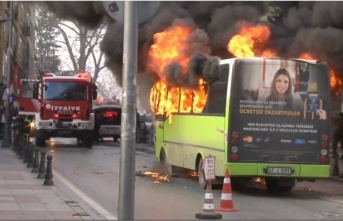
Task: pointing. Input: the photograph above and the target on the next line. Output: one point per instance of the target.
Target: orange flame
(336, 82)
(158, 178)
(172, 46)
(250, 41)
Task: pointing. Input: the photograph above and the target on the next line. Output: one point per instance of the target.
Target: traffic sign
(115, 9)
(208, 167)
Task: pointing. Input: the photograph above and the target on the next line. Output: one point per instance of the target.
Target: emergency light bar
(84, 76)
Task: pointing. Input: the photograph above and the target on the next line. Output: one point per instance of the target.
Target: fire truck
(24, 109)
(65, 107)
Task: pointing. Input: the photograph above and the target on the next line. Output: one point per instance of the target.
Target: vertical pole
(129, 110)
(6, 137)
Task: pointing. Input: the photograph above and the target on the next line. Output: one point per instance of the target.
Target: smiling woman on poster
(280, 92)
(281, 96)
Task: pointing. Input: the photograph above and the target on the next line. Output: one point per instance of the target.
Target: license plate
(112, 130)
(278, 170)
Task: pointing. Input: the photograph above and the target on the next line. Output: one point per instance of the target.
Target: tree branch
(70, 50)
(78, 33)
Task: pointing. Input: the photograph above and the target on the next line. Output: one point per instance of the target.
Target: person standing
(337, 139)
(338, 136)
(2, 121)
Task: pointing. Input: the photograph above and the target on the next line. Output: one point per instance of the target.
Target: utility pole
(6, 138)
(128, 118)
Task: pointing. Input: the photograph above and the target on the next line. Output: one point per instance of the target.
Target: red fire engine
(65, 107)
(22, 104)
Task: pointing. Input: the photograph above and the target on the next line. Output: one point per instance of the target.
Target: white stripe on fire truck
(35, 103)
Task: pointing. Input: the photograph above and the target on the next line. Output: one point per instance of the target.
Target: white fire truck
(65, 107)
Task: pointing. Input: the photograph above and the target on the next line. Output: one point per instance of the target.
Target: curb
(146, 148)
(336, 178)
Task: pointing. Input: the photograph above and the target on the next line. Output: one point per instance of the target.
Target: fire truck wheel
(79, 142)
(88, 141)
(201, 177)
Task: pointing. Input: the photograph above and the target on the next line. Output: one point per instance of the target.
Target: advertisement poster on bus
(280, 106)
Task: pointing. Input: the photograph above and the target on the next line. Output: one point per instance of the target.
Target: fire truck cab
(65, 107)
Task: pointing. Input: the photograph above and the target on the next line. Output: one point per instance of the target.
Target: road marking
(86, 198)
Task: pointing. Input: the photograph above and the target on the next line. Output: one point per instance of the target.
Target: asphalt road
(94, 174)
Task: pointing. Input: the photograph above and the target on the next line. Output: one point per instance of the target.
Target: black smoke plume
(314, 27)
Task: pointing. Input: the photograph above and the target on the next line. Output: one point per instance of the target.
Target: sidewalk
(24, 197)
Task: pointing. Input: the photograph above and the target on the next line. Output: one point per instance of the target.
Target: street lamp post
(6, 134)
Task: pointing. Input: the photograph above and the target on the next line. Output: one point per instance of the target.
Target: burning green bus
(260, 117)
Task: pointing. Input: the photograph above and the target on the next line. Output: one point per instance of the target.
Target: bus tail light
(325, 137)
(323, 159)
(74, 116)
(234, 135)
(234, 157)
(56, 116)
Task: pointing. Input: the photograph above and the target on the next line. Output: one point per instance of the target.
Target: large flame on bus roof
(251, 42)
(168, 47)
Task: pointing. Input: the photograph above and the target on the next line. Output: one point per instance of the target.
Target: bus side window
(216, 98)
(224, 74)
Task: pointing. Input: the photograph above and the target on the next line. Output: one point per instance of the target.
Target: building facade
(23, 39)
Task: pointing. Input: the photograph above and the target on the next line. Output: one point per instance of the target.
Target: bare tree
(46, 38)
(107, 87)
(82, 43)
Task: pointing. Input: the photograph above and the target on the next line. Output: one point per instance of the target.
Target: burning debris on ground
(181, 45)
(158, 177)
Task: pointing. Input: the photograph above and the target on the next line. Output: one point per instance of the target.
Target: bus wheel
(167, 168)
(201, 177)
(271, 184)
(279, 184)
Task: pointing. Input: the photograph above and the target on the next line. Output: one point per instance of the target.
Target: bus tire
(277, 185)
(164, 161)
(201, 177)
